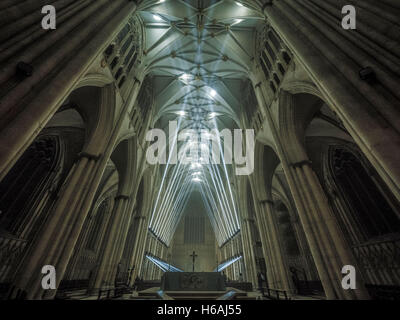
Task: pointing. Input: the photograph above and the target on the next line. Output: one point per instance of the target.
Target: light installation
(165, 267)
(226, 264)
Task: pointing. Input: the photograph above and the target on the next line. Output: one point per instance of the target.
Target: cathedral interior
(317, 215)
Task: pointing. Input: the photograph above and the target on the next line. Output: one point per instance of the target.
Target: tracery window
(366, 197)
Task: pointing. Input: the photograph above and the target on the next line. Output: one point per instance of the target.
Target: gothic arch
(97, 106)
(94, 80)
(266, 161)
(29, 180)
(264, 153)
(301, 87)
(295, 114)
(378, 213)
(125, 159)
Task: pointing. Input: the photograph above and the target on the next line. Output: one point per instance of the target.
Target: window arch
(366, 196)
(27, 182)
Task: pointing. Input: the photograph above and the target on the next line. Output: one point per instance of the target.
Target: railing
(11, 249)
(70, 285)
(380, 260)
(244, 286)
(113, 293)
(384, 292)
(276, 294)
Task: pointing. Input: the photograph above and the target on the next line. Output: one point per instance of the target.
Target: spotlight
(213, 93)
(196, 166)
(239, 4)
(212, 115)
(184, 77)
(181, 113)
(196, 180)
(157, 18)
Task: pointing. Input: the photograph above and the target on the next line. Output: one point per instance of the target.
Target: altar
(192, 281)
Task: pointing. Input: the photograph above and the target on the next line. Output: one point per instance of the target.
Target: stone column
(280, 269)
(313, 210)
(54, 246)
(303, 246)
(82, 241)
(160, 272)
(369, 111)
(336, 251)
(248, 252)
(23, 111)
(105, 270)
(141, 246)
(266, 243)
(138, 243)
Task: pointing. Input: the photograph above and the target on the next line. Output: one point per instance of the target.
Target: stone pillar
(54, 246)
(138, 243)
(23, 111)
(248, 252)
(280, 277)
(272, 273)
(141, 246)
(310, 270)
(105, 270)
(232, 254)
(333, 247)
(162, 252)
(313, 210)
(71, 271)
(369, 111)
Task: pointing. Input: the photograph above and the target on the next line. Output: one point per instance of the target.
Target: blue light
(226, 264)
(165, 267)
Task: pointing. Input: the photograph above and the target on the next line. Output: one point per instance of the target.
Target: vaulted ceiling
(199, 54)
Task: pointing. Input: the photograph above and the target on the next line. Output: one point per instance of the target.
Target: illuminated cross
(194, 256)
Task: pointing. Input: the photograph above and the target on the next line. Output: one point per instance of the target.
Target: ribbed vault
(198, 54)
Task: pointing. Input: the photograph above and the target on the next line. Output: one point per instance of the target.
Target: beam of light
(178, 182)
(181, 113)
(153, 215)
(164, 266)
(170, 211)
(219, 185)
(185, 78)
(226, 264)
(218, 228)
(218, 209)
(175, 210)
(181, 209)
(212, 115)
(223, 204)
(236, 216)
(169, 193)
(176, 213)
(237, 21)
(213, 93)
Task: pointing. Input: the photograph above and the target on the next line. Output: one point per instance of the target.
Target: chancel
(200, 149)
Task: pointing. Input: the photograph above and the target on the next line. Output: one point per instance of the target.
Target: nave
(253, 141)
